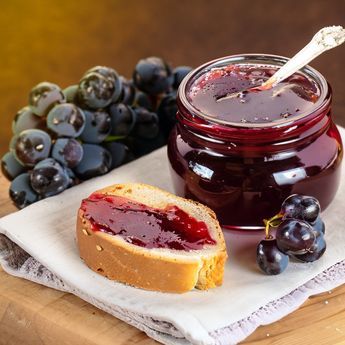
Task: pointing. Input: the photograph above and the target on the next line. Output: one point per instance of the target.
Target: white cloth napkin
(38, 243)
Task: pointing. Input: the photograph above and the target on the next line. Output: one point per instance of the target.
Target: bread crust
(151, 269)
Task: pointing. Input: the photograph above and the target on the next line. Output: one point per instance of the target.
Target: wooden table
(59, 41)
(32, 314)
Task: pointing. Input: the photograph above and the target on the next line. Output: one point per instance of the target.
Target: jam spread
(143, 225)
(294, 96)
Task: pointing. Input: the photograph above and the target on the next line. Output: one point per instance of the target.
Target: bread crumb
(85, 232)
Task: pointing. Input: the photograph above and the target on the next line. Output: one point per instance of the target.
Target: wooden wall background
(58, 40)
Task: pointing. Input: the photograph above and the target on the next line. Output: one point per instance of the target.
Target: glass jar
(244, 171)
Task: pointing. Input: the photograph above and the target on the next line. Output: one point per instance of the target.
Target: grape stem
(111, 138)
(272, 223)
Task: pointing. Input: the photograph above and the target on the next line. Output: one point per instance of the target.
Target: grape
(147, 124)
(295, 236)
(95, 91)
(44, 96)
(26, 119)
(99, 87)
(319, 226)
(119, 153)
(301, 207)
(311, 209)
(65, 136)
(128, 92)
(179, 73)
(70, 93)
(67, 151)
(166, 112)
(31, 146)
(97, 126)
(269, 258)
(315, 252)
(73, 180)
(111, 75)
(107, 72)
(10, 167)
(96, 161)
(66, 120)
(141, 146)
(143, 100)
(49, 178)
(291, 206)
(153, 76)
(21, 192)
(123, 119)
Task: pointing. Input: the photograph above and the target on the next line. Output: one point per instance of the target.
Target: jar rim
(268, 59)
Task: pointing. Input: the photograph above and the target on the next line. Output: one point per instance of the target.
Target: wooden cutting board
(32, 314)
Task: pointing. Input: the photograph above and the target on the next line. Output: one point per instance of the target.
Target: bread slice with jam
(148, 238)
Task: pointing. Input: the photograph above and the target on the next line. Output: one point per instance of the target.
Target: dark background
(58, 41)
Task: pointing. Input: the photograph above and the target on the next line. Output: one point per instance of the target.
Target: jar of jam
(241, 151)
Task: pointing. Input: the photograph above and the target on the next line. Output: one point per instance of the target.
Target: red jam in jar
(241, 151)
(145, 226)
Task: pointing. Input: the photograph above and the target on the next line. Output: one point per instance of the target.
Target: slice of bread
(160, 269)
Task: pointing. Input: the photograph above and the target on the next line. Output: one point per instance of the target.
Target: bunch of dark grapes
(66, 136)
(300, 235)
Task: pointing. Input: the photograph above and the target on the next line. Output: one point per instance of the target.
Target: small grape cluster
(64, 137)
(300, 235)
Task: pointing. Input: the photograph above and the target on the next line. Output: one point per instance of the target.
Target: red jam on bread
(145, 226)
